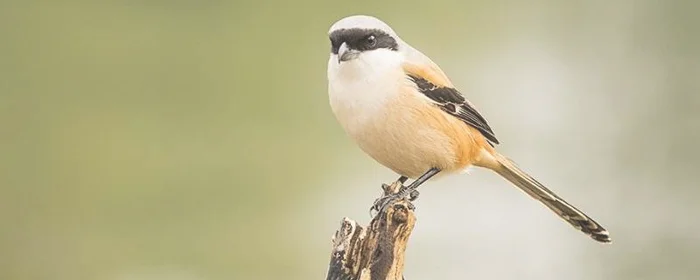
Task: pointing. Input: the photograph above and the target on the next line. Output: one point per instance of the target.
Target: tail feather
(568, 212)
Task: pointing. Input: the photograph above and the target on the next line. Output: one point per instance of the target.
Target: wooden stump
(375, 252)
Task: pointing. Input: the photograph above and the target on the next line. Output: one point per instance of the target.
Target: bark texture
(375, 252)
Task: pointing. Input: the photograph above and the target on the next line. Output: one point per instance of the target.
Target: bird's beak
(345, 53)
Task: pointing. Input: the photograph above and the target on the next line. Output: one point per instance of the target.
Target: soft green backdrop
(192, 139)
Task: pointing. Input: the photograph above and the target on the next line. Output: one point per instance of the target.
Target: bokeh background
(192, 140)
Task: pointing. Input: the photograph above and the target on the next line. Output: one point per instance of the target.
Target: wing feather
(436, 86)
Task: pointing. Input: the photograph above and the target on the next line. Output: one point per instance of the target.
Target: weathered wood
(377, 251)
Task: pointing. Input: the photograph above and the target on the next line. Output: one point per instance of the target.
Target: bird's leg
(413, 195)
(409, 191)
(402, 179)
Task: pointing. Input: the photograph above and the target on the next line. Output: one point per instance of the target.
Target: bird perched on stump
(402, 110)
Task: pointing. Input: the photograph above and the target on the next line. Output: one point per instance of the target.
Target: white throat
(359, 88)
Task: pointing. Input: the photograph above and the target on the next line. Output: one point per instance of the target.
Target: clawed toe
(381, 203)
(405, 192)
(413, 195)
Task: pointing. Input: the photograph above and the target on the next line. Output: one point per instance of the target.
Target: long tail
(568, 212)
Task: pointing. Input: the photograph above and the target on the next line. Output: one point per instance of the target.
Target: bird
(402, 110)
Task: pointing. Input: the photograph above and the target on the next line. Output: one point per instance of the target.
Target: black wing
(452, 102)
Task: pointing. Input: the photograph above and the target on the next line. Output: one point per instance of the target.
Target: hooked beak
(345, 53)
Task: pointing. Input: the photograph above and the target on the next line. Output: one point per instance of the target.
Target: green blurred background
(193, 139)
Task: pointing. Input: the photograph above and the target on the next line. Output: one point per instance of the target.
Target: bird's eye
(371, 41)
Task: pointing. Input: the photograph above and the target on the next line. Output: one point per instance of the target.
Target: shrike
(403, 111)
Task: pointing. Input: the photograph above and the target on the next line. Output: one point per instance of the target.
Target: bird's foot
(412, 194)
(383, 202)
(404, 193)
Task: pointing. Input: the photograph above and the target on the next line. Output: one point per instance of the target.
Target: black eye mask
(362, 39)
